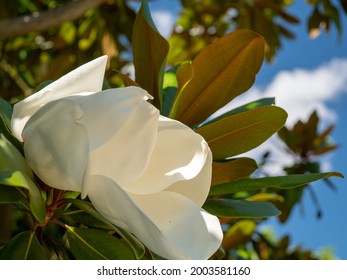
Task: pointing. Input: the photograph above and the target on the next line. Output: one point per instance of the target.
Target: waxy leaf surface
(150, 50)
(242, 132)
(23, 246)
(94, 244)
(15, 172)
(222, 71)
(133, 242)
(232, 208)
(232, 170)
(281, 182)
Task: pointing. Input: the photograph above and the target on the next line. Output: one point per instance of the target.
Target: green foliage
(133, 242)
(10, 195)
(305, 140)
(252, 105)
(5, 112)
(238, 234)
(242, 132)
(149, 53)
(93, 244)
(5, 123)
(231, 208)
(15, 172)
(323, 15)
(221, 72)
(190, 76)
(35, 57)
(281, 182)
(305, 150)
(23, 246)
(232, 170)
(279, 249)
(203, 21)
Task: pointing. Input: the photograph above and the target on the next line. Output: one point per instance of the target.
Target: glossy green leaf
(169, 91)
(15, 172)
(235, 169)
(94, 244)
(5, 124)
(10, 194)
(222, 71)
(240, 133)
(5, 112)
(134, 243)
(249, 106)
(4, 130)
(232, 208)
(281, 182)
(23, 246)
(169, 94)
(184, 74)
(150, 50)
(79, 218)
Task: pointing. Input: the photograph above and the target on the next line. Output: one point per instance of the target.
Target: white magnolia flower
(143, 172)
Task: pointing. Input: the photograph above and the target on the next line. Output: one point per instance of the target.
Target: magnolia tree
(140, 171)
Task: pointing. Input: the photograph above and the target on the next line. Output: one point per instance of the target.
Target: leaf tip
(336, 174)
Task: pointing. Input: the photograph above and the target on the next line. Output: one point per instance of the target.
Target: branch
(44, 20)
(15, 77)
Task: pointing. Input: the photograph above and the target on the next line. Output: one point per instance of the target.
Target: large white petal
(55, 146)
(167, 223)
(179, 154)
(197, 188)
(86, 78)
(192, 231)
(122, 130)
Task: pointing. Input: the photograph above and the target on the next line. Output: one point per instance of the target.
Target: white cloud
(299, 92)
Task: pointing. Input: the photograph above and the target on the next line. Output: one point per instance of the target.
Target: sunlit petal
(197, 188)
(179, 154)
(122, 130)
(167, 223)
(86, 78)
(56, 148)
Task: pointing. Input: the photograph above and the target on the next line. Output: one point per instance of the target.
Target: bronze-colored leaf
(222, 71)
(150, 50)
(235, 169)
(240, 133)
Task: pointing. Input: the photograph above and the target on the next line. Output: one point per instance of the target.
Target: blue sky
(307, 75)
(323, 62)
